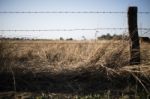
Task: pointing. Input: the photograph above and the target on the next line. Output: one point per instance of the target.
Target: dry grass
(75, 58)
(48, 53)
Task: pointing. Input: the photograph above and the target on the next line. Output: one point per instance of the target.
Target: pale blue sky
(69, 21)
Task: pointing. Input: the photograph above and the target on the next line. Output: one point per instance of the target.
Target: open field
(79, 67)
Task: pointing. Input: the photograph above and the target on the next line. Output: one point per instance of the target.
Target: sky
(70, 21)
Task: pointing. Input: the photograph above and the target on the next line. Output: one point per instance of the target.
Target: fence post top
(132, 8)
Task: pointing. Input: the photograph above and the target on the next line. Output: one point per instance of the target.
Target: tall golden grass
(62, 53)
(67, 54)
(111, 57)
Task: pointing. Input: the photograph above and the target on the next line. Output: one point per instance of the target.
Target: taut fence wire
(68, 12)
(74, 29)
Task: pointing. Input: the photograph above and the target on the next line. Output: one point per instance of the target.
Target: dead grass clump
(54, 56)
(6, 59)
(29, 56)
(117, 57)
(111, 56)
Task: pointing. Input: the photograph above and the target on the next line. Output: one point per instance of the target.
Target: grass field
(79, 67)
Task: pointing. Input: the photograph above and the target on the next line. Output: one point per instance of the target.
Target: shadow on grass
(69, 82)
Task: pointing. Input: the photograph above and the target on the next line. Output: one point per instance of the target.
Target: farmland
(79, 67)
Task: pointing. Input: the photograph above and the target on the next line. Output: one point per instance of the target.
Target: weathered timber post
(133, 35)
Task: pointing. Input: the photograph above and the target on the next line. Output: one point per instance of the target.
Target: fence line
(75, 29)
(68, 12)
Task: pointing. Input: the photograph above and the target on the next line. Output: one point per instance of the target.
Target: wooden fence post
(134, 37)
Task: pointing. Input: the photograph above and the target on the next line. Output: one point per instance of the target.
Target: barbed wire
(81, 29)
(67, 12)
(147, 32)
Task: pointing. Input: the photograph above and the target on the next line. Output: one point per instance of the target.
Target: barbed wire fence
(130, 15)
(67, 12)
(147, 30)
(70, 12)
(74, 29)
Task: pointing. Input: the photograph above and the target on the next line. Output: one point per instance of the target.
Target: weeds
(72, 63)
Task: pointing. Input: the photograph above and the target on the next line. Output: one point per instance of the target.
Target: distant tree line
(15, 38)
(144, 39)
(68, 39)
(102, 37)
(109, 37)
(23, 38)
